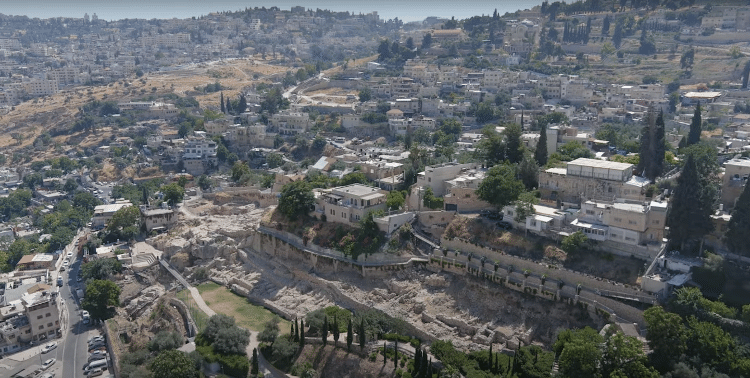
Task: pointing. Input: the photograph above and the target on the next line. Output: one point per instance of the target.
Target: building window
(49, 324)
(590, 212)
(39, 317)
(48, 315)
(655, 222)
(618, 219)
(632, 222)
(41, 327)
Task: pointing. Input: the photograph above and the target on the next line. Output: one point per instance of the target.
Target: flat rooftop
(601, 164)
(357, 190)
(739, 162)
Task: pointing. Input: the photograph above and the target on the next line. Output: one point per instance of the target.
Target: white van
(98, 364)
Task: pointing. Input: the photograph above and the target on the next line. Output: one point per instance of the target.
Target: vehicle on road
(66, 263)
(95, 339)
(94, 372)
(79, 279)
(46, 365)
(59, 281)
(69, 254)
(47, 375)
(49, 347)
(505, 225)
(95, 357)
(98, 364)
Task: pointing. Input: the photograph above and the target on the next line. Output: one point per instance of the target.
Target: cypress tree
(540, 153)
(417, 362)
(296, 331)
(254, 371)
(694, 136)
(738, 228)
(385, 352)
(690, 215)
(335, 330)
(429, 369)
(395, 354)
(325, 331)
(660, 149)
(349, 335)
(645, 156)
(291, 331)
(424, 366)
(490, 359)
(302, 333)
(242, 105)
(229, 106)
(223, 108)
(361, 332)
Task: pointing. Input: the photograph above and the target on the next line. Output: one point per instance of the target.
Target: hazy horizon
(161, 9)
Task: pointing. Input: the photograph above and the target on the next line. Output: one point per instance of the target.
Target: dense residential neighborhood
(556, 191)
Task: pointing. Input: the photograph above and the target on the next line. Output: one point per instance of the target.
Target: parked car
(49, 347)
(94, 339)
(505, 225)
(46, 364)
(95, 357)
(94, 372)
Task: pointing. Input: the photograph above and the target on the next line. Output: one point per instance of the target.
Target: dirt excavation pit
(470, 312)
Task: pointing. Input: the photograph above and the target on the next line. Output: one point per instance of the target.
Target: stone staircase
(144, 259)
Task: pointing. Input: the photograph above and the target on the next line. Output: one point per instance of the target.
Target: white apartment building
(627, 222)
(290, 123)
(103, 213)
(166, 40)
(32, 318)
(349, 204)
(39, 86)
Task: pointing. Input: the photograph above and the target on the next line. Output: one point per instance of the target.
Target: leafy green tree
(101, 269)
(239, 169)
(365, 94)
(270, 331)
(173, 193)
(690, 215)
(500, 186)
(711, 344)
(525, 206)
(296, 199)
(274, 160)
(232, 340)
(738, 228)
(427, 41)
(101, 296)
(85, 200)
(579, 353)
(666, 337)
(173, 364)
(574, 242)
(395, 200)
(165, 340)
(125, 223)
(204, 182)
(540, 153)
(694, 136)
(622, 356)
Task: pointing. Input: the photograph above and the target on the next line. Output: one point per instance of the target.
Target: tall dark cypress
(361, 332)
(296, 330)
(349, 335)
(325, 331)
(335, 330)
(302, 333)
(689, 217)
(395, 353)
(660, 148)
(739, 224)
(645, 156)
(255, 369)
(229, 106)
(540, 153)
(694, 136)
(223, 108)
